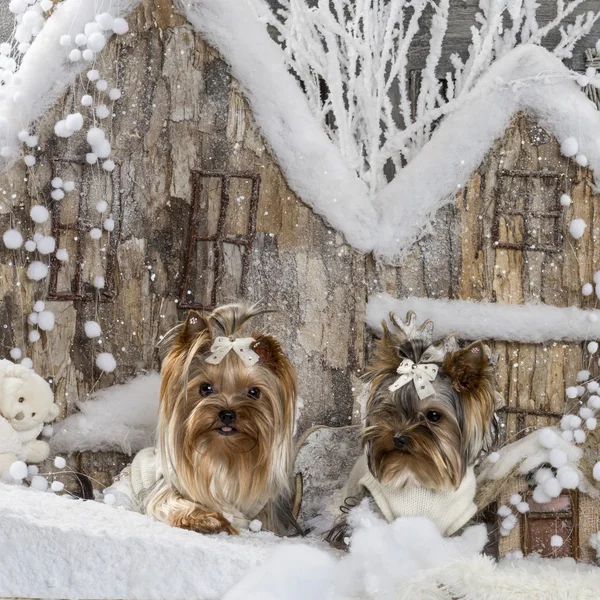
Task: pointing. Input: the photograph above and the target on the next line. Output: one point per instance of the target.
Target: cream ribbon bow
(420, 374)
(241, 346)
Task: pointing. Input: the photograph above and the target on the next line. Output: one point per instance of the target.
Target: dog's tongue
(227, 429)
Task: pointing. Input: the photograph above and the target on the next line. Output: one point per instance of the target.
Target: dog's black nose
(227, 417)
(400, 441)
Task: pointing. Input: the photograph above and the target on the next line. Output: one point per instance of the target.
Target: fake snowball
(579, 436)
(27, 363)
(30, 246)
(65, 40)
(102, 150)
(109, 499)
(120, 26)
(587, 289)
(592, 348)
(583, 375)
(81, 39)
(15, 353)
(92, 329)
(569, 147)
(46, 5)
(60, 462)
(31, 141)
(12, 239)
(504, 511)
(94, 136)
(62, 255)
(33, 469)
(114, 94)
(542, 475)
(581, 160)
(593, 386)
(32, 318)
(558, 458)
(102, 111)
(39, 483)
(37, 236)
(591, 423)
(102, 85)
(57, 486)
(515, 499)
(29, 160)
(567, 436)
(75, 55)
(91, 158)
(594, 402)
(102, 206)
(255, 525)
(556, 541)
(34, 336)
(88, 55)
(596, 471)
(571, 392)
(87, 100)
(37, 270)
(575, 421)
(105, 20)
(108, 165)
(57, 194)
(106, 362)
(57, 182)
(552, 487)
(95, 233)
(577, 228)
(39, 306)
(523, 507)
(18, 470)
(586, 412)
(96, 42)
(46, 320)
(109, 224)
(39, 213)
(23, 135)
(548, 439)
(93, 75)
(99, 282)
(69, 186)
(74, 121)
(568, 478)
(46, 245)
(539, 496)
(62, 130)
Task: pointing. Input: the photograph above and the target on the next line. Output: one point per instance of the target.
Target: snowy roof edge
(526, 323)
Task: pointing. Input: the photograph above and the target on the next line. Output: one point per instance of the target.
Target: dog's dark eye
(206, 389)
(33, 414)
(21, 399)
(433, 416)
(254, 393)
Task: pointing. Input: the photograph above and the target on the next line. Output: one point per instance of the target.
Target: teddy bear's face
(27, 402)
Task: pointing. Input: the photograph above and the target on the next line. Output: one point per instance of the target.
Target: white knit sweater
(449, 510)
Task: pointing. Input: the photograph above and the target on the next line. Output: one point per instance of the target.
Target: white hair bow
(241, 346)
(420, 374)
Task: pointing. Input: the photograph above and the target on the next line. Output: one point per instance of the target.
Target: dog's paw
(203, 522)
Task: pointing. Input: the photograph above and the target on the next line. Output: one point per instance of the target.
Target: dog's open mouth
(227, 430)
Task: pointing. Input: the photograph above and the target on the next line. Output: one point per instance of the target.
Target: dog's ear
(194, 325)
(270, 352)
(468, 369)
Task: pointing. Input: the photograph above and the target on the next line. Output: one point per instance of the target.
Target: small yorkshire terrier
(429, 413)
(226, 421)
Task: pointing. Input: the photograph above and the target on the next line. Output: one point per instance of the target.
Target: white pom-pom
(47, 431)
(94, 136)
(585, 412)
(75, 121)
(592, 348)
(66, 40)
(593, 386)
(75, 55)
(57, 194)
(504, 511)
(571, 392)
(579, 436)
(114, 94)
(88, 55)
(34, 336)
(101, 85)
(523, 507)
(515, 499)
(568, 478)
(108, 165)
(569, 147)
(61, 129)
(96, 42)
(591, 423)
(31, 141)
(46, 320)
(16, 353)
(23, 135)
(92, 329)
(29, 160)
(255, 525)
(95, 233)
(39, 213)
(493, 457)
(5, 48)
(57, 486)
(556, 541)
(102, 206)
(109, 499)
(46, 245)
(69, 186)
(574, 421)
(596, 471)
(87, 100)
(581, 160)
(37, 236)
(106, 362)
(18, 470)
(60, 462)
(57, 182)
(33, 469)
(93, 75)
(548, 439)
(558, 458)
(577, 228)
(542, 475)
(587, 289)
(539, 496)
(552, 487)
(62, 255)
(567, 436)
(27, 363)
(91, 158)
(46, 5)
(109, 224)
(594, 402)
(37, 271)
(39, 483)
(583, 375)
(105, 20)
(99, 282)
(120, 26)
(39, 306)
(102, 149)
(102, 111)
(30, 246)
(81, 39)
(12, 239)
(32, 318)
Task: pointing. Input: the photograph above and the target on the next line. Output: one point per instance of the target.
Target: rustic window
(528, 214)
(221, 234)
(72, 219)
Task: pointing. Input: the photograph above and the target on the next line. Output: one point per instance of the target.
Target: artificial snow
(99, 282)
(577, 228)
(39, 306)
(69, 186)
(37, 270)
(33, 336)
(87, 100)
(95, 233)
(92, 329)
(471, 320)
(46, 245)
(106, 362)
(16, 353)
(569, 147)
(57, 486)
(12, 239)
(60, 462)
(57, 194)
(46, 320)
(592, 347)
(62, 254)
(18, 470)
(121, 418)
(556, 541)
(587, 289)
(39, 213)
(57, 182)
(114, 94)
(109, 224)
(102, 85)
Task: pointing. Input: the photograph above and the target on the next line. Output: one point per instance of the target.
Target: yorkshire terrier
(429, 413)
(226, 419)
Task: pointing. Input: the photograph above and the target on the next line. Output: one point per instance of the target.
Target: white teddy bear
(26, 403)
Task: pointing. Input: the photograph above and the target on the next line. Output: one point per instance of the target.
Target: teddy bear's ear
(52, 413)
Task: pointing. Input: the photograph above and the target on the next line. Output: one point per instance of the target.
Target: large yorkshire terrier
(227, 410)
(429, 414)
